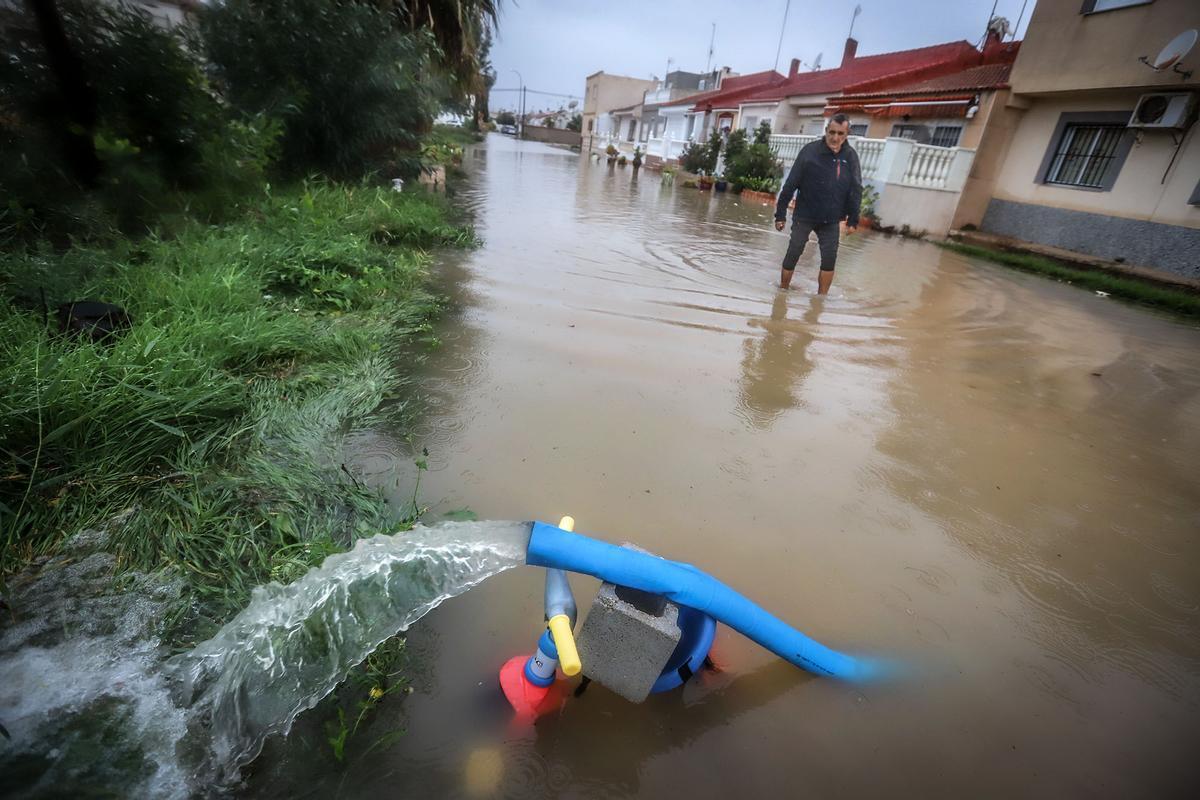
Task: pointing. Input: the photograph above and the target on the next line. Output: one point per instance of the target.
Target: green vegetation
(141, 166)
(753, 166)
(216, 416)
(866, 205)
(1179, 301)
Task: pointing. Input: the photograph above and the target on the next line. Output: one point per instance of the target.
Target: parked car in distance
(511, 130)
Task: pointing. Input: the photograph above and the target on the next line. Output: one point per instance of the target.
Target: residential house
(719, 109)
(677, 85)
(549, 119)
(942, 104)
(602, 94)
(1097, 151)
(797, 105)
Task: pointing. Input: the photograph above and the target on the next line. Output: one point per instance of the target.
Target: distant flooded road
(987, 475)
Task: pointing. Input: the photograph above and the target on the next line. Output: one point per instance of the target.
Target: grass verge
(211, 427)
(1178, 301)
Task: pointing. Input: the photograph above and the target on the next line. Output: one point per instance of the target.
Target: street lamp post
(521, 113)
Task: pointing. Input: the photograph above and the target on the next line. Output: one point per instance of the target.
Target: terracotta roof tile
(988, 76)
(863, 68)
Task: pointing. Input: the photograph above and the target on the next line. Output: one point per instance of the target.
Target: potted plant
(612, 152)
(720, 184)
(705, 181)
(866, 208)
(637, 157)
(622, 160)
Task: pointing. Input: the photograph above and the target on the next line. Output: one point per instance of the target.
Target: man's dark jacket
(829, 185)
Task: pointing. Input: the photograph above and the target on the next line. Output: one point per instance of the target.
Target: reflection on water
(988, 474)
(775, 363)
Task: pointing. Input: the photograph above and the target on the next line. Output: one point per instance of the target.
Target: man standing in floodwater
(827, 182)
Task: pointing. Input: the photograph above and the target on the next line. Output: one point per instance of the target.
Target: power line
(535, 91)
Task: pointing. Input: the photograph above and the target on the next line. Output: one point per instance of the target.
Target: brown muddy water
(986, 475)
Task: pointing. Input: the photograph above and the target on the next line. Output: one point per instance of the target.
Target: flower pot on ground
(637, 157)
(720, 184)
(622, 161)
(704, 183)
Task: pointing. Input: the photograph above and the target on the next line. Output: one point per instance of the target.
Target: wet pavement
(986, 475)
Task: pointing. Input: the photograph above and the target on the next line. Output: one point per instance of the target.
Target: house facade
(602, 94)
(797, 105)
(947, 104)
(1100, 153)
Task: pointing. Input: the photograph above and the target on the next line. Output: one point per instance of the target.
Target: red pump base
(529, 701)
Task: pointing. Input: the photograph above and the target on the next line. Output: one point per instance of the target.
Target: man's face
(835, 135)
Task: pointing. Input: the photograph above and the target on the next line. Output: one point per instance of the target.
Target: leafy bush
(735, 145)
(870, 196)
(353, 92)
(506, 118)
(694, 157)
(762, 134)
(702, 158)
(758, 165)
(156, 130)
(769, 185)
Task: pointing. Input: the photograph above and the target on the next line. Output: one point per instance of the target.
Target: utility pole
(521, 107)
(713, 38)
(782, 28)
(854, 16)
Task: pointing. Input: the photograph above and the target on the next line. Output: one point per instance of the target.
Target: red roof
(732, 88)
(989, 76)
(867, 68)
(931, 91)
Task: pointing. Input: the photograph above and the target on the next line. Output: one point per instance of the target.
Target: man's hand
(779, 224)
(851, 228)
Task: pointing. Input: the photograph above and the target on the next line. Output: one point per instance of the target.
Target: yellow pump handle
(560, 627)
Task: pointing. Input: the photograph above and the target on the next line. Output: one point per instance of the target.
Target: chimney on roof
(851, 49)
(794, 70)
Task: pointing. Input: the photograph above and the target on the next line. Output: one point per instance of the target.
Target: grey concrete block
(627, 638)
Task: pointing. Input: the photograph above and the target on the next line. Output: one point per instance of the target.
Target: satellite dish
(1174, 52)
(573, 104)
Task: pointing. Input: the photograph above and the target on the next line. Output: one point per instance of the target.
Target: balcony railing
(894, 160)
(929, 166)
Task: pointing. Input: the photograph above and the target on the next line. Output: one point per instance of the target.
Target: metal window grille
(858, 130)
(946, 135)
(1084, 155)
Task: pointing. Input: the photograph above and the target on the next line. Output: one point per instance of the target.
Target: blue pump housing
(687, 586)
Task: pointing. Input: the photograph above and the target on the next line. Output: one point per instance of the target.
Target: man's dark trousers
(827, 240)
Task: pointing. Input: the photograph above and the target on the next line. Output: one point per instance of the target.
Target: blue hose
(687, 586)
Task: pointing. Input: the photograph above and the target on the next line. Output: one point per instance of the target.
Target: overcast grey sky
(556, 44)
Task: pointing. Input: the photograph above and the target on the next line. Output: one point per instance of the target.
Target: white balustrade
(929, 166)
(870, 153)
(787, 145)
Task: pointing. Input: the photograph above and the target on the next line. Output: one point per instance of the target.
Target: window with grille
(1084, 155)
(915, 132)
(858, 130)
(946, 135)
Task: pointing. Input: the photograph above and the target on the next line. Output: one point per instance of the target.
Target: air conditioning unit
(1165, 110)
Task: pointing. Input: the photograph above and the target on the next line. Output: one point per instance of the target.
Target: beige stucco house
(603, 93)
(1095, 151)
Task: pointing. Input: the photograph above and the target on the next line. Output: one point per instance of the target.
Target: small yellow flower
(376, 693)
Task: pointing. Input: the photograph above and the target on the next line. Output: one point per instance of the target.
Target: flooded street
(985, 475)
